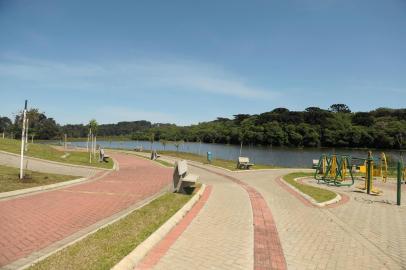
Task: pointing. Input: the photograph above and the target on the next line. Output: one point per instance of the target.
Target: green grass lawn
(162, 162)
(9, 179)
(228, 164)
(106, 247)
(319, 194)
(99, 138)
(49, 153)
(167, 164)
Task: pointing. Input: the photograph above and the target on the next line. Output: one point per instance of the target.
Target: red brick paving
(34, 222)
(268, 252)
(162, 247)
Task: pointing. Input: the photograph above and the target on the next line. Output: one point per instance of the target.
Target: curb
(59, 163)
(24, 191)
(131, 260)
(73, 239)
(40, 189)
(310, 199)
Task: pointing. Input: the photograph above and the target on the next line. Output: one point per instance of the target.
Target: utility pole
(23, 141)
(26, 135)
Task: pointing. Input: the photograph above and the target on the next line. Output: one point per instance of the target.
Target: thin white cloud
(133, 74)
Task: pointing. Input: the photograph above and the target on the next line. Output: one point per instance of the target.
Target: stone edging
(309, 198)
(61, 163)
(40, 189)
(24, 191)
(131, 260)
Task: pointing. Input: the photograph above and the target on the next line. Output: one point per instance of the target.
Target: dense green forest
(313, 127)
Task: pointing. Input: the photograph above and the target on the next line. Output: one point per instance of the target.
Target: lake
(279, 156)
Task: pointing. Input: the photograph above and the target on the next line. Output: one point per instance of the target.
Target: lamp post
(23, 141)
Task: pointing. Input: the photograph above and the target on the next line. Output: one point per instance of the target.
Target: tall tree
(340, 108)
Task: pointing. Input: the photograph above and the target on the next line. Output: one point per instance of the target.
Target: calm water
(280, 156)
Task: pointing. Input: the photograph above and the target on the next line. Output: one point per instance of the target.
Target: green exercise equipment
(335, 170)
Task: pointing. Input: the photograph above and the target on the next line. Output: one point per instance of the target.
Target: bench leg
(183, 186)
(178, 186)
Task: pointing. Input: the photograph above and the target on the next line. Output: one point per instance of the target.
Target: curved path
(40, 165)
(355, 234)
(30, 226)
(234, 230)
(221, 236)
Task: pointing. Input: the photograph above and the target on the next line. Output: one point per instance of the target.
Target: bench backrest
(243, 160)
(182, 167)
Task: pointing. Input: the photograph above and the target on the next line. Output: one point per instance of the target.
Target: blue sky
(191, 61)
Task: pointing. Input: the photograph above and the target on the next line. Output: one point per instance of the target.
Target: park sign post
(23, 141)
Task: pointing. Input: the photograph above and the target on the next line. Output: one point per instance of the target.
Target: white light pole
(23, 141)
(26, 135)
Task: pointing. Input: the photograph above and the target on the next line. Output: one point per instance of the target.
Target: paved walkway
(363, 233)
(221, 236)
(33, 164)
(31, 224)
(234, 230)
(355, 235)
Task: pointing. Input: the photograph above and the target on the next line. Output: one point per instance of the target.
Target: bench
(244, 163)
(105, 158)
(102, 156)
(182, 178)
(154, 155)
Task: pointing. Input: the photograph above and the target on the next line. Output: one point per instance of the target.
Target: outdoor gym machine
(335, 170)
(373, 167)
(338, 170)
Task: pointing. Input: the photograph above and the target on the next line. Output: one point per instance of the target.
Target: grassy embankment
(99, 138)
(49, 153)
(319, 194)
(128, 152)
(106, 247)
(9, 179)
(227, 164)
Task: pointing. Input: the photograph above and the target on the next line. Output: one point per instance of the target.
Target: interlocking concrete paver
(221, 236)
(159, 250)
(354, 235)
(34, 222)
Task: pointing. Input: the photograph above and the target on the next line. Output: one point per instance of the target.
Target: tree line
(313, 127)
